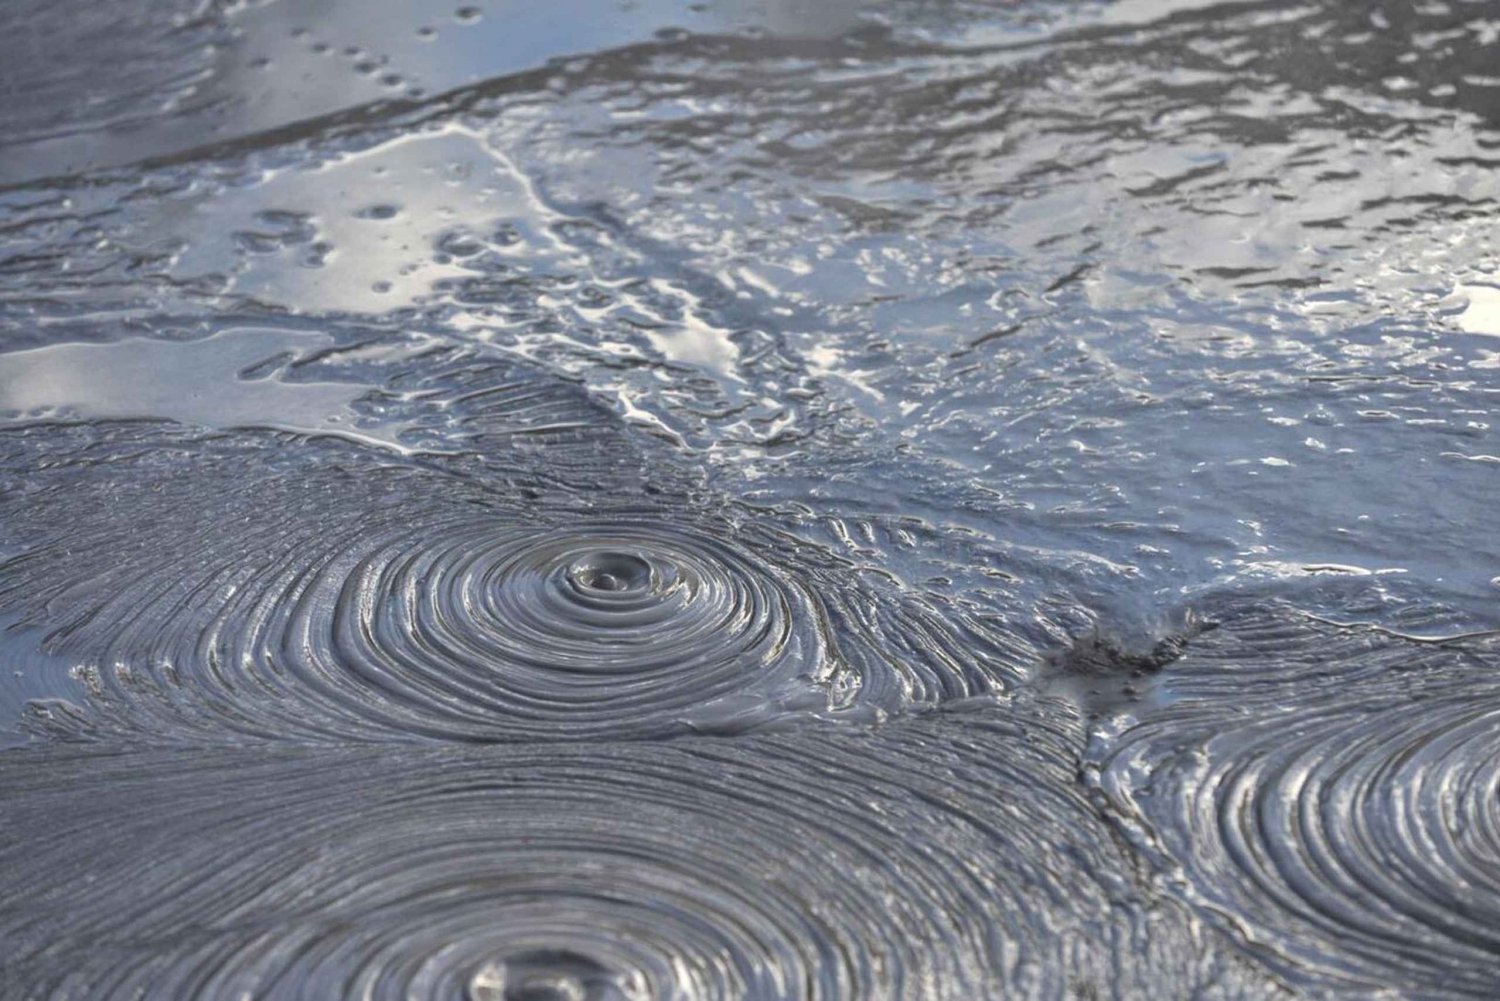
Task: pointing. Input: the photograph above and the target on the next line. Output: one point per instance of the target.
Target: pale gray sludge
(749, 501)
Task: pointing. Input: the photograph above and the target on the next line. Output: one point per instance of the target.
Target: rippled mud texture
(749, 500)
(1330, 796)
(807, 866)
(566, 585)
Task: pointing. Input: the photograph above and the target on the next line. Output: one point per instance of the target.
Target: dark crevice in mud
(1104, 674)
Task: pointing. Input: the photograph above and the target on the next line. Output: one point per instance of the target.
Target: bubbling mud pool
(347, 598)
(749, 501)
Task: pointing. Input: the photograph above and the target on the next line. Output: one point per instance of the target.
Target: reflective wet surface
(759, 500)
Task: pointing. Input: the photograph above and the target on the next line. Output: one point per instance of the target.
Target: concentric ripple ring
(596, 627)
(774, 866)
(1355, 841)
(353, 599)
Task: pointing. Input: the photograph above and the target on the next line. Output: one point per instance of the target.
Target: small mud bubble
(544, 975)
(612, 572)
(379, 212)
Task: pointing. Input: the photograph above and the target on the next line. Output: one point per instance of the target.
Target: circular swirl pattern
(323, 593)
(1349, 840)
(932, 859)
(602, 627)
(470, 629)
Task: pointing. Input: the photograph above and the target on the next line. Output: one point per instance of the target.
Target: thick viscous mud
(770, 501)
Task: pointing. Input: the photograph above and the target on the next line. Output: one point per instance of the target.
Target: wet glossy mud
(749, 501)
